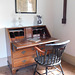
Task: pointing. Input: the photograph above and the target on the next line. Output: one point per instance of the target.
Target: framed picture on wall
(26, 6)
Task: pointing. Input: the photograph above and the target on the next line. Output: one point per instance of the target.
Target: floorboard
(67, 68)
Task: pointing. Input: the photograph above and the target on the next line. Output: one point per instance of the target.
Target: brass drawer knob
(24, 61)
(23, 52)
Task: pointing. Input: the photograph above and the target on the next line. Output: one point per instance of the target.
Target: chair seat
(50, 60)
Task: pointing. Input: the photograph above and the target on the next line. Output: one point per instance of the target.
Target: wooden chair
(51, 57)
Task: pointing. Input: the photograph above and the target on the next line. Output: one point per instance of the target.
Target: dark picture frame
(26, 6)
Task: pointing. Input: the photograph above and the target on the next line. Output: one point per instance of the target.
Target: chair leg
(61, 69)
(35, 69)
(46, 70)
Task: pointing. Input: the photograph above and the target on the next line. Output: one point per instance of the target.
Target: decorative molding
(68, 58)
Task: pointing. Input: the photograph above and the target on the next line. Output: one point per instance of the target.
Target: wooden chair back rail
(50, 56)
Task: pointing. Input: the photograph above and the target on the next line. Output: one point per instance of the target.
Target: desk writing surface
(26, 43)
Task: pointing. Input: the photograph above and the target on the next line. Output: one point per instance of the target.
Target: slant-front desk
(21, 42)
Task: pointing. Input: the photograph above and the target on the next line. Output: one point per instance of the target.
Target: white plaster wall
(65, 31)
(8, 18)
(8, 15)
(3, 52)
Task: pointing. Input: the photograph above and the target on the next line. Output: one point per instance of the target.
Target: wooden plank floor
(67, 68)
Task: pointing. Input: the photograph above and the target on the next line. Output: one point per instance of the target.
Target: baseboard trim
(68, 58)
(3, 62)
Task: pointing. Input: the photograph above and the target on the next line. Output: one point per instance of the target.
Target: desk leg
(13, 71)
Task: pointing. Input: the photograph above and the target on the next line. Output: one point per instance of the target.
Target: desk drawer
(23, 61)
(23, 52)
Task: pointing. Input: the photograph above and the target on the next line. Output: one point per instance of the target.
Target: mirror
(26, 6)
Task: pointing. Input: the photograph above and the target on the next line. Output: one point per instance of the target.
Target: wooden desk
(20, 49)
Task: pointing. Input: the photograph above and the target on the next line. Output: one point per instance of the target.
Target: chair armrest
(39, 50)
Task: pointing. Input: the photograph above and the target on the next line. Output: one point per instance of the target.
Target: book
(34, 39)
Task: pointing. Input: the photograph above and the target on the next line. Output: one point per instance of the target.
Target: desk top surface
(24, 43)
